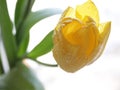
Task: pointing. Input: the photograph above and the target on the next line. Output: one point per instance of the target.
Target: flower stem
(45, 64)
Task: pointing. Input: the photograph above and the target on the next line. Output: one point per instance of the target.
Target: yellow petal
(69, 12)
(93, 37)
(88, 19)
(104, 31)
(73, 31)
(78, 38)
(87, 9)
(74, 44)
(104, 34)
(69, 57)
(78, 33)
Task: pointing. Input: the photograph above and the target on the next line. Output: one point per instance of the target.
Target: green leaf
(23, 47)
(31, 20)
(23, 8)
(6, 33)
(35, 17)
(1, 68)
(20, 78)
(43, 47)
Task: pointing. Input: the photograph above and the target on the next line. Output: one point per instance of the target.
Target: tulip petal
(87, 9)
(104, 34)
(67, 55)
(74, 44)
(78, 38)
(72, 31)
(104, 30)
(69, 12)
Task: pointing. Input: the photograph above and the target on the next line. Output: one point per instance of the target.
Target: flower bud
(79, 38)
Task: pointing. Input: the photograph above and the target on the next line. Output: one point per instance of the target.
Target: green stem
(45, 64)
(6, 33)
(1, 68)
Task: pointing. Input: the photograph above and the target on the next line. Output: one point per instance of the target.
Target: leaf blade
(20, 77)
(31, 20)
(43, 47)
(35, 17)
(7, 36)
(23, 8)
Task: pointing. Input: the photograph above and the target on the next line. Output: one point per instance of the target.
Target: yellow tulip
(79, 38)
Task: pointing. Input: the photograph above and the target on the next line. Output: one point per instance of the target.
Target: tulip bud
(79, 38)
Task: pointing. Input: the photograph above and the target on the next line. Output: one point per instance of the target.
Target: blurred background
(104, 74)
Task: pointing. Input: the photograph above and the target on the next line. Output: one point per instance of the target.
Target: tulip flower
(79, 37)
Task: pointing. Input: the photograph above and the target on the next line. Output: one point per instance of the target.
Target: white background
(104, 74)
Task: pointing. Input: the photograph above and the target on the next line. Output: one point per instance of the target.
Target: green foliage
(1, 68)
(43, 47)
(20, 78)
(16, 44)
(23, 8)
(31, 20)
(6, 33)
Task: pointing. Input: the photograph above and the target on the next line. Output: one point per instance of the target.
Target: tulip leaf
(43, 47)
(23, 8)
(1, 68)
(35, 17)
(20, 78)
(23, 47)
(6, 33)
(31, 20)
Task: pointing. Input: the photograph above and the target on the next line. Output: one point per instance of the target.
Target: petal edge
(87, 9)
